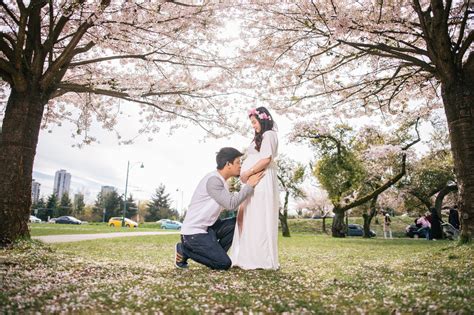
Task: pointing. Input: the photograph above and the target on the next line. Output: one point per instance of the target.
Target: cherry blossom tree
(353, 168)
(373, 57)
(290, 177)
(81, 60)
(317, 201)
(431, 178)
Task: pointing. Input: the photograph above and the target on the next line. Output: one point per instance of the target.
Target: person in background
(425, 226)
(387, 230)
(453, 218)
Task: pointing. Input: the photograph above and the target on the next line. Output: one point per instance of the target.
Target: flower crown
(262, 116)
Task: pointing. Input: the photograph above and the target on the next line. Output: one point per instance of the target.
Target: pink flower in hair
(252, 112)
(263, 116)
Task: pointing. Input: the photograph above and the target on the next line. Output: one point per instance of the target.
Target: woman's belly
(249, 162)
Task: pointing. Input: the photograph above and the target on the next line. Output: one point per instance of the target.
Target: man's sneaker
(179, 260)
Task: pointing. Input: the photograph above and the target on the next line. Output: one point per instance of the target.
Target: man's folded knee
(223, 265)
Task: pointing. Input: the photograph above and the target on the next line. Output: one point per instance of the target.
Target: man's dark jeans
(210, 249)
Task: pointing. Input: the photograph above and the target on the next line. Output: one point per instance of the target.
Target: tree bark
(20, 130)
(338, 227)
(369, 216)
(440, 197)
(285, 230)
(458, 98)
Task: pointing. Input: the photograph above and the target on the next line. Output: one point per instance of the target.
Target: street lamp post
(125, 196)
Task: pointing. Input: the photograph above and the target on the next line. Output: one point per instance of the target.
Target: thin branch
(9, 12)
(465, 46)
(393, 52)
(463, 26)
(125, 96)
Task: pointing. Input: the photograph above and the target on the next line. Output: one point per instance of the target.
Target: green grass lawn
(318, 274)
(299, 226)
(40, 229)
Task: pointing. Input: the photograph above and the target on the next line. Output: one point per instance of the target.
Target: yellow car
(117, 222)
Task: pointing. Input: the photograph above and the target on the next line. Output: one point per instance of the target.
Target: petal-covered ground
(318, 274)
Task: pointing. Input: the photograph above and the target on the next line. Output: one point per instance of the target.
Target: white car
(34, 219)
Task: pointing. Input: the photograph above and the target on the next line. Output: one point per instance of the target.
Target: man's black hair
(227, 155)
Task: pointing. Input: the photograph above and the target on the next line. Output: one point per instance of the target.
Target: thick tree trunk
(458, 98)
(20, 130)
(338, 226)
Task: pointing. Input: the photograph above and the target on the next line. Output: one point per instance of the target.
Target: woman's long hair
(265, 119)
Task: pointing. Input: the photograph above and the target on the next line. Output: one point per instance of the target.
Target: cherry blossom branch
(34, 36)
(9, 12)
(64, 88)
(389, 183)
(143, 57)
(464, 47)
(55, 31)
(5, 47)
(393, 52)
(463, 26)
(69, 51)
(185, 4)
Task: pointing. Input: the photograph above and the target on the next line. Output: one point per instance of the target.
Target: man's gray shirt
(209, 199)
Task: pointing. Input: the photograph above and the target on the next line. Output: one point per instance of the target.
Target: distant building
(107, 190)
(35, 191)
(62, 183)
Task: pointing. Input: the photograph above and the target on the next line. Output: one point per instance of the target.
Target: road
(86, 237)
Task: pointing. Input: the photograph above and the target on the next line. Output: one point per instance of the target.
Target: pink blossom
(252, 112)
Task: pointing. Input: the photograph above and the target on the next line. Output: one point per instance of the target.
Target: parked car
(34, 219)
(117, 222)
(318, 216)
(171, 225)
(357, 230)
(66, 219)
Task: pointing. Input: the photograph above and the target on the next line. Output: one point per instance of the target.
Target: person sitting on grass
(204, 237)
(425, 227)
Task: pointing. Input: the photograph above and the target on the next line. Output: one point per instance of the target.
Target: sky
(179, 160)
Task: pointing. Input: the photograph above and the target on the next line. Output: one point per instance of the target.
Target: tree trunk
(440, 197)
(20, 130)
(338, 226)
(368, 217)
(285, 230)
(284, 217)
(458, 98)
(324, 224)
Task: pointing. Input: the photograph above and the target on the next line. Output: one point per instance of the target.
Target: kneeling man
(204, 237)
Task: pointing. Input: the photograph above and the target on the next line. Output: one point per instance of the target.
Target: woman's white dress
(255, 240)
